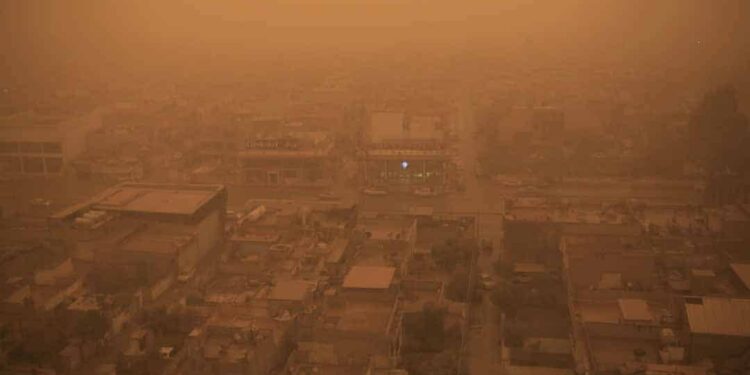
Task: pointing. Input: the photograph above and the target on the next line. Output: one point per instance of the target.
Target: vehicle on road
(425, 191)
(529, 190)
(40, 202)
(486, 281)
(185, 275)
(328, 196)
(508, 181)
(521, 279)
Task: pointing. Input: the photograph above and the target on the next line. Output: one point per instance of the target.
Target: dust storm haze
(362, 187)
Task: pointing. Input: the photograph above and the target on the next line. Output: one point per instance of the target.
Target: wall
(716, 347)
(210, 231)
(622, 331)
(76, 130)
(587, 269)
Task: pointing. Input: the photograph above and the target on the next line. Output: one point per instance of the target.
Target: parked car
(487, 282)
(40, 202)
(328, 196)
(521, 279)
(185, 275)
(425, 191)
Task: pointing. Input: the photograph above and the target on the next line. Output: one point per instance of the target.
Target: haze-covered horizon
(87, 39)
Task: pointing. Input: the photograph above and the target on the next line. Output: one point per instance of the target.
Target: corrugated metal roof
(718, 316)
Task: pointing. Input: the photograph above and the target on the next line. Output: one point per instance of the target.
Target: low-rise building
(608, 263)
(718, 327)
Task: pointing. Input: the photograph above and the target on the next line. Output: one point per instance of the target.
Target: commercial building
(38, 145)
(143, 235)
(294, 158)
(401, 150)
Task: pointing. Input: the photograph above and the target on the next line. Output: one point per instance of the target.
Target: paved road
(487, 202)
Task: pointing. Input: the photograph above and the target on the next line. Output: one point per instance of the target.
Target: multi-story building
(403, 150)
(143, 235)
(294, 158)
(39, 145)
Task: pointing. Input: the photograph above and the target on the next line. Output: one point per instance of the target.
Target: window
(10, 164)
(52, 148)
(255, 176)
(33, 165)
(53, 165)
(8, 147)
(30, 147)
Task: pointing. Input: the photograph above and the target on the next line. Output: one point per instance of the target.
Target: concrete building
(401, 150)
(719, 328)
(237, 343)
(389, 241)
(615, 331)
(144, 234)
(295, 158)
(39, 145)
(608, 263)
(359, 327)
(534, 227)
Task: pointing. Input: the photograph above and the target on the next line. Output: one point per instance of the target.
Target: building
(402, 150)
(616, 331)
(291, 158)
(41, 145)
(360, 326)
(534, 227)
(235, 343)
(741, 276)
(719, 328)
(389, 241)
(608, 263)
(143, 235)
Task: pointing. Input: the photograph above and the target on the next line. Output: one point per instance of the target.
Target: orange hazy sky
(55, 36)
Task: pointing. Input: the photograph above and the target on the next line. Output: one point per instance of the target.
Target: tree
(443, 363)
(508, 298)
(425, 329)
(458, 285)
(92, 325)
(448, 255)
(503, 269)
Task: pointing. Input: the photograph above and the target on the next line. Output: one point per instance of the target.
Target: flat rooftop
(290, 290)
(386, 228)
(718, 316)
(621, 311)
(149, 198)
(367, 277)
